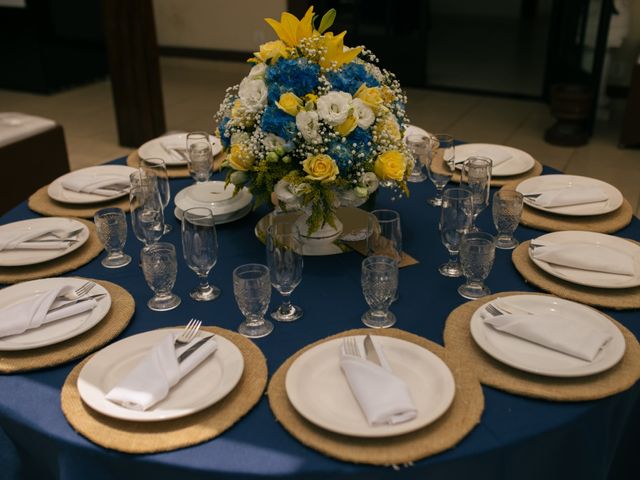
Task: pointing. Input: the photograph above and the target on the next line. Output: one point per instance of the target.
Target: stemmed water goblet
(252, 289)
(477, 253)
(158, 167)
(284, 258)
(200, 249)
(455, 220)
(507, 209)
(379, 286)
(160, 266)
(199, 156)
(440, 172)
(476, 176)
(417, 145)
(147, 215)
(111, 226)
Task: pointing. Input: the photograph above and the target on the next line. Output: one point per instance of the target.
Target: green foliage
(327, 20)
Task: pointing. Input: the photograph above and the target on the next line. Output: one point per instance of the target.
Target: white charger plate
(586, 277)
(52, 332)
(61, 194)
(552, 182)
(154, 149)
(15, 258)
(520, 161)
(213, 195)
(319, 391)
(208, 383)
(533, 358)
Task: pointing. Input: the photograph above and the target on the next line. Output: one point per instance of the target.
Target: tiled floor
(193, 90)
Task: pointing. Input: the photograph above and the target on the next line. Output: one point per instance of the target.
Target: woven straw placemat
(153, 437)
(83, 255)
(535, 171)
(177, 171)
(459, 342)
(40, 202)
(463, 415)
(606, 223)
(122, 308)
(616, 298)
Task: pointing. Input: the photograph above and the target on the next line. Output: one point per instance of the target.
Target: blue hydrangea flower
(361, 138)
(278, 122)
(350, 77)
(296, 75)
(225, 138)
(341, 153)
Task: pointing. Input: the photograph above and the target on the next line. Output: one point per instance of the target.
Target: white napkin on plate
(97, 184)
(175, 147)
(383, 397)
(152, 378)
(32, 313)
(495, 153)
(563, 197)
(570, 336)
(20, 239)
(585, 256)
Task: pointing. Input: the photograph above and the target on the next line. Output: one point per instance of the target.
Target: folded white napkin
(497, 155)
(20, 239)
(567, 335)
(562, 197)
(586, 256)
(175, 147)
(383, 397)
(96, 184)
(32, 313)
(152, 378)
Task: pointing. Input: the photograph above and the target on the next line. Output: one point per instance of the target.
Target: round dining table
(517, 437)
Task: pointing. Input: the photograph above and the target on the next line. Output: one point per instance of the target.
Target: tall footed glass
(379, 285)
(200, 249)
(477, 253)
(160, 267)
(476, 176)
(284, 258)
(252, 289)
(455, 220)
(442, 145)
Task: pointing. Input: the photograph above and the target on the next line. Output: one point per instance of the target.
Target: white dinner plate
(552, 182)
(520, 162)
(213, 195)
(413, 130)
(154, 149)
(208, 383)
(586, 277)
(220, 219)
(15, 258)
(318, 389)
(52, 332)
(61, 194)
(533, 358)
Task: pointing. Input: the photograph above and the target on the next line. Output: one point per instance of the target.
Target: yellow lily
(336, 55)
(291, 30)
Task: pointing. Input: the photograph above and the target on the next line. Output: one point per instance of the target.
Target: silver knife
(73, 302)
(370, 351)
(189, 351)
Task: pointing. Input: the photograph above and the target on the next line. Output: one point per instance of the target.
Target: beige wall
(216, 24)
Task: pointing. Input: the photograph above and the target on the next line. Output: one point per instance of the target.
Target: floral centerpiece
(315, 121)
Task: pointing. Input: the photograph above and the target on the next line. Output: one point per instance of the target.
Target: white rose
(272, 141)
(253, 94)
(370, 180)
(364, 114)
(309, 126)
(334, 107)
(257, 72)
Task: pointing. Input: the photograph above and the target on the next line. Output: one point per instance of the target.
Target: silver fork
(492, 310)
(189, 332)
(81, 291)
(351, 347)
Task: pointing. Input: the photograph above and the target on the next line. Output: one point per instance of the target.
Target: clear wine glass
(379, 286)
(252, 289)
(455, 220)
(200, 249)
(477, 253)
(158, 167)
(507, 209)
(476, 175)
(440, 172)
(160, 267)
(284, 258)
(147, 215)
(111, 226)
(199, 156)
(417, 145)
(384, 236)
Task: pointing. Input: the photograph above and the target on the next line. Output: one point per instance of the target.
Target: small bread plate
(518, 162)
(156, 148)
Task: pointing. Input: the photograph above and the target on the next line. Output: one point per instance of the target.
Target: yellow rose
(348, 126)
(387, 128)
(371, 96)
(240, 157)
(391, 165)
(320, 167)
(289, 103)
(272, 51)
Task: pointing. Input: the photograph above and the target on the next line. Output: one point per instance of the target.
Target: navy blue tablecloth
(517, 438)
